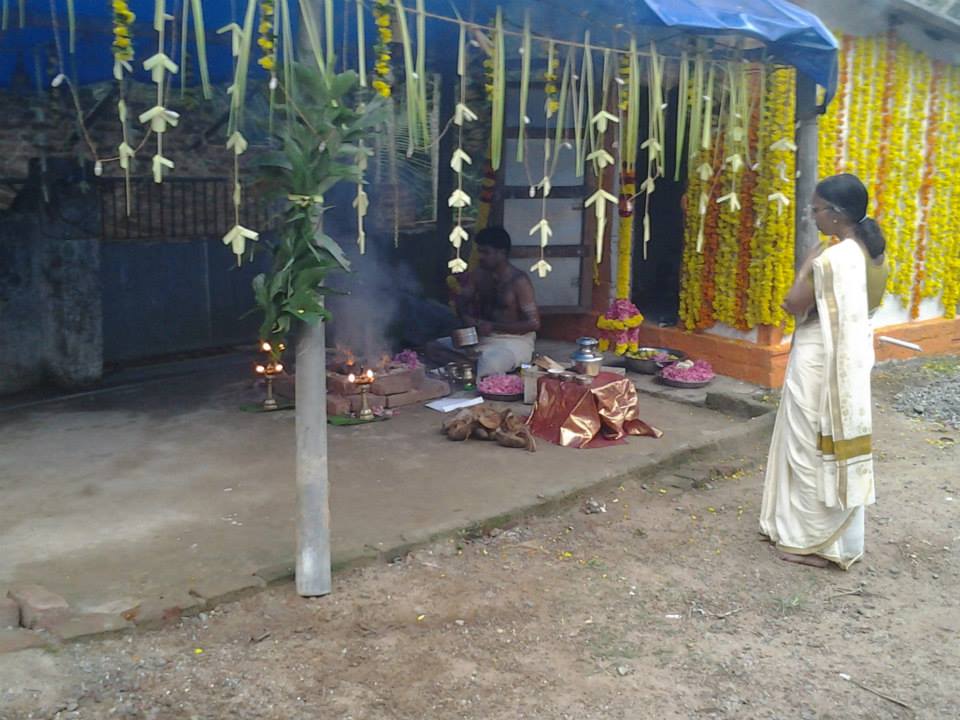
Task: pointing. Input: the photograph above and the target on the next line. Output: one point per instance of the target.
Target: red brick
(38, 606)
(9, 613)
(430, 390)
(338, 384)
(393, 382)
(337, 405)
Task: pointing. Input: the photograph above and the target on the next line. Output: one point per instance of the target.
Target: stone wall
(50, 314)
(43, 126)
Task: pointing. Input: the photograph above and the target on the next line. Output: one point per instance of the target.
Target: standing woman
(819, 474)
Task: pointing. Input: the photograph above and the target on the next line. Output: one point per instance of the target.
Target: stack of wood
(484, 423)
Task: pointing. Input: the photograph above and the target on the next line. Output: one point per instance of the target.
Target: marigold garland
(938, 211)
(382, 73)
(747, 227)
(926, 186)
(550, 76)
(266, 41)
(896, 120)
(951, 279)
(883, 121)
(691, 269)
(726, 240)
(841, 106)
(904, 262)
(892, 223)
(123, 18)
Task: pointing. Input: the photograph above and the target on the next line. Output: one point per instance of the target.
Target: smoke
(383, 308)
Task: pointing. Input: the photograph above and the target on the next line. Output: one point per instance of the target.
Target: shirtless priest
(498, 300)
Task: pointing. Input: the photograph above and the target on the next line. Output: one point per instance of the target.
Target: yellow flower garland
(769, 267)
(938, 213)
(383, 19)
(266, 42)
(607, 324)
(951, 281)
(691, 273)
(886, 105)
(913, 125)
(123, 18)
(625, 245)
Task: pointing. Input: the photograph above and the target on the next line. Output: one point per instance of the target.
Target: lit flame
(369, 374)
(278, 367)
(260, 369)
(351, 378)
(266, 347)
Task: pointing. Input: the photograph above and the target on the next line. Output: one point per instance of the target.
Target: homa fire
(355, 385)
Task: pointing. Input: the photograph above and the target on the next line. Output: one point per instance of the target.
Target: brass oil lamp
(363, 381)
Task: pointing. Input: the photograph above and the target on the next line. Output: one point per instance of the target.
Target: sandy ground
(667, 605)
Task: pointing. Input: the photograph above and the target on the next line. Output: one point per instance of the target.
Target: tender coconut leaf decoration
(241, 39)
(552, 109)
(459, 199)
(599, 157)
(524, 88)
(498, 104)
(159, 117)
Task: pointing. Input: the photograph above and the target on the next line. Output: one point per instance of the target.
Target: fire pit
(386, 384)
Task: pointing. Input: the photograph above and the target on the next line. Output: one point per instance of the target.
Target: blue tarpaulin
(29, 56)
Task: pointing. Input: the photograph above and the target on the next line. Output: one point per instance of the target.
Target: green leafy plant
(318, 148)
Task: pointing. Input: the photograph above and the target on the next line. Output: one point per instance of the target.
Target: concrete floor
(139, 490)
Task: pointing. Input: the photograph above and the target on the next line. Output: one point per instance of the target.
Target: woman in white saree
(819, 475)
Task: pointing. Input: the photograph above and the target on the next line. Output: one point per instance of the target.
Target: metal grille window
(178, 209)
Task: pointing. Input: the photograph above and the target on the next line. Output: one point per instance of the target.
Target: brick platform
(394, 387)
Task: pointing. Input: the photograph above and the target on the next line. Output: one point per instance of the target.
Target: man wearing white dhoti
(498, 300)
(819, 476)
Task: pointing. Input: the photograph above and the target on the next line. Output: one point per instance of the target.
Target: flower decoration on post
(620, 327)
(159, 117)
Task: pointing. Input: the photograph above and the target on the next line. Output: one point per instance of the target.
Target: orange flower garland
(711, 247)
(691, 272)
(886, 126)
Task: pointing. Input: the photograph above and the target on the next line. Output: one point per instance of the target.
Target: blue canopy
(787, 33)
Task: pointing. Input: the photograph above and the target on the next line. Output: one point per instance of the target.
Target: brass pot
(464, 337)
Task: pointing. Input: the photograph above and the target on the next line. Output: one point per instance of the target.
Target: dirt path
(667, 605)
